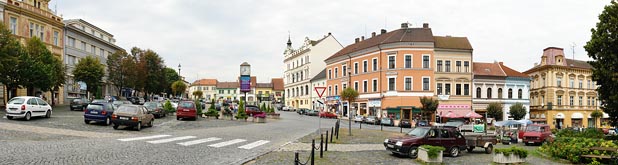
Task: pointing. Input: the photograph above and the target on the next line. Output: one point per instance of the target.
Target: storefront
(374, 107)
(403, 112)
(333, 104)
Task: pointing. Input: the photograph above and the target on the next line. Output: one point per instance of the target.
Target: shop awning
(392, 110)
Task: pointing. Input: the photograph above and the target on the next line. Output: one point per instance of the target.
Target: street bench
(613, 157)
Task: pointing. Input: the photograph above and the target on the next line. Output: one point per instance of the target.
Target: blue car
(100, 112)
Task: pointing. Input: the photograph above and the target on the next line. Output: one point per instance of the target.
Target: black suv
(78, 104)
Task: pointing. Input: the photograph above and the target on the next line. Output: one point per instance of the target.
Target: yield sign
(319, 91)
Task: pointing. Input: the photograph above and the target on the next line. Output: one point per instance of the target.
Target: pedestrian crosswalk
(193, 140)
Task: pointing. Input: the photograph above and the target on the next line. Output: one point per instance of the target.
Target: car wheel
(489, 149)
(150, 123)
(177, 118)
(48, 114)
(394, 153)
(454, 151)
(526, 144)
(413, 152)
(9, 117)
(139, 126)
(28, 116)
(108, 121)
(115, 126)
(87, 121)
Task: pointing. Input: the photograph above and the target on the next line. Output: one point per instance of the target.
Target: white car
(27, 107)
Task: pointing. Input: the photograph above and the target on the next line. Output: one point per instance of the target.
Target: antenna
(573, 49)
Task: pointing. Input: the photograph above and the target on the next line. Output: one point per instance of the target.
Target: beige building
(207, 86)
(563, 93)
(453, 74)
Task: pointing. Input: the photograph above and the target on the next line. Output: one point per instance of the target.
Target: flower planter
(423, 156)
(512, 158)
(259, 120)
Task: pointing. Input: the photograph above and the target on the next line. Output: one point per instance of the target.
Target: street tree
(47, 71)
(153, 66)
(178, 87)
(603, 48)
(350, 95)
(91, 71)
(517, 111)
(494, 110)
(115, 70)
(429, 106)
(198, 94)
(11, 69)
(171, 76)
(596, 114)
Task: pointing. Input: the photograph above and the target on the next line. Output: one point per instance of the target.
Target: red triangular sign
(319, 91)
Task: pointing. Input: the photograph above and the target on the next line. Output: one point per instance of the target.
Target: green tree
(168, 107)
(46, 71)
(241, 111)
(153, 66)
(212, 105)
(91, 71)
(11, 66)
(197, 94)
(429, 106)
(603, 48)
(263, 107)
(517, 111)
(178, 87)
(596, 114)
(117, 74)
(495, 110)
(171, 76)
(350, 95)
(198, 106)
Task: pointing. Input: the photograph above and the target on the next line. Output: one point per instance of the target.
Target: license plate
(530, 142)
(124, 118)
(390, 146)
(94, 112)
(186, 110)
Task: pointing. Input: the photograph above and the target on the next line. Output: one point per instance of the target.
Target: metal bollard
(312, 151)
(381, 127)
(360, 125)
(321, 145)
(332, 129)
(400, 129)
(296, 161)
(326, 142)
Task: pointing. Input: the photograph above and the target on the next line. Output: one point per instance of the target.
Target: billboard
(245, 83)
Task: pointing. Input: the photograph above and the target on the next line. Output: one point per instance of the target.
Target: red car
(537, 134)
(186, 110)
(328, 115)
(252, 110)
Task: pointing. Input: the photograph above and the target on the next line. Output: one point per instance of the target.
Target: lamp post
(245, 80)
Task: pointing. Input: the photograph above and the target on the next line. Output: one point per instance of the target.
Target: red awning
(473, 114)
(453, 110)
(450, 114)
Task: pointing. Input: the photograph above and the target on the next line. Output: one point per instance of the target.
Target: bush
(241, 111)
(433, 151)
(168, 107)
(571, 148)
(587, 133)
(520, 152)
(198, 107)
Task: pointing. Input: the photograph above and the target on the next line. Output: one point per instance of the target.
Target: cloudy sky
(210, 39)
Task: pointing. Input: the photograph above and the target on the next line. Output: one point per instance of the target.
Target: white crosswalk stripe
(143, 138)
(227, 143)
(171, 139)
(254, 144)
(199, 141)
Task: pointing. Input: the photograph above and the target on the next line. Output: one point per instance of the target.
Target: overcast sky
(210, 39)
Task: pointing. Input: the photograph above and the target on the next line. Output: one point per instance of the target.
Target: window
(344, 85)
(489, 93)
(426, 83)
(365, 65)
(510, 93)
(93, 49)
(32, 29)
(306, 89)
(571, 100)
(519, 94)
(344, 69)
(365, 86)
(391, 84)
(457, 89)
(499, 93)
(391, 62)
(330, 91)
(466, 89)
(478, 92)
(375, 64)
(559, 82)
(374, 85)
(466, 66)
(101, 51)
(83, 45)
(426, 62)
(408, 83)
(588, 101)
(336, 72)
(408, 61)
(447, 66)
(581, 100)
(447, 89)
(439, 88)
(71, 41)
(356, 68)
(593, 102)
(336, 90)
(559, 100)
(581, 84)
(356, 85)
(439, 66)
(329, 74)
(589, 84)
(56, 34)
(458, 66)
(571, 83)
(13, 25)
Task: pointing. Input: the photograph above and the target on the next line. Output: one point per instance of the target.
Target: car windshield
(17, 101)
(533, 128)
(127, 109)
(118, 102)
(77, 100)
(186, 105)
(95, 107)
(420, 132)
(151, 105)
(99, 101)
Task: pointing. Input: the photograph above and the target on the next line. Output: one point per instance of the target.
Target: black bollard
(312, 151)
(321, 145)
(360, 125)
(296, 161)
(326, 142)
(332, 130)
(381, 126)
(400, 129)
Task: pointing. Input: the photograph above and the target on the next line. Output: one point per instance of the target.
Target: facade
(278, 90)
(318, 81)
(264, 92)
(563, 93)
(228, 91)
(304, 63)
(84, 39)
(390, 71)
(207, 86)
(453, 74)
(495, 82)
(27, 19)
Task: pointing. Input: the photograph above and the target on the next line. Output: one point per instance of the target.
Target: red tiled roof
(263, 85)
(253, 81)
(228, 85)
(511, 72)
(487, 69)
(277, 84)
(210, 82)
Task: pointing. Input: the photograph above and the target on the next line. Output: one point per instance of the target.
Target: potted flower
(270, 112)
(430, 154)
(510, 155)
(259, 118)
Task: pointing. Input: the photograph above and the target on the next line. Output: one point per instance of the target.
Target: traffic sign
(319, 91)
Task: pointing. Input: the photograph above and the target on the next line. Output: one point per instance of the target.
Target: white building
(494, 82)
(318, 81)
(304, 63)
(207, 86)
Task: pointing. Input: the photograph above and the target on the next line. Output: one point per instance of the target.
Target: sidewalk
(332, 147)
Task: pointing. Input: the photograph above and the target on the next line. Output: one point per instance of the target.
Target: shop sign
(375, 103)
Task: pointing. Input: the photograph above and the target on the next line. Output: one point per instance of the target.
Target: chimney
(329, 33)
(426, 25)
(404, 25)
(356, 40)
(362, 38)
(373, 34)
(383, 31)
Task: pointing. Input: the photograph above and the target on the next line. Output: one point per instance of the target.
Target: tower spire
(289, 40)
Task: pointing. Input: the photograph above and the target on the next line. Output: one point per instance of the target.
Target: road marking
(254, 144)
(171, 139)
(199, 141)
(227, 143)
(143, 138)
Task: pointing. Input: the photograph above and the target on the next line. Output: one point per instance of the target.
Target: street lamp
(179, 69)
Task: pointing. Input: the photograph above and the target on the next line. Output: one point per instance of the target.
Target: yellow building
(562, 92)
(33, 18)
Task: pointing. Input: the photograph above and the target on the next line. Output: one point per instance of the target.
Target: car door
(33, 107)
(43, 106)
(447, 139)
(144, 116)
(433, 137)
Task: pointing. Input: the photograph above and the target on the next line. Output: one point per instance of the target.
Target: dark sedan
(79, 104)
(405, 123)
(155, 108)
(312, 113)
(99, 112)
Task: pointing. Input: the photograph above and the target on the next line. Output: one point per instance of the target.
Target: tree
(429, 106)
(494, 110)
(603, 48)
(91, 71)
(46, 71)
(117, 74)
(178, 87)
(198, 94)
(153, 66)
(350, 95)
(241, 111)
(11, 67)
(517, 111)
(171, 76)
(596, 114)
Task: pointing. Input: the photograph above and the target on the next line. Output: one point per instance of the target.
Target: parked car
(186, 110)
(118, 103)
(302, 111)
(252, 110)
(99, 112)
(312, 112)
(359, 118)
(405, 123)
(328, 115)
(78, 104)
(387, 121)
(422, 123)
(537, 134)
(99, 101)
(372, 120)
(285, 108)
(449, 138)
(155, 108)
(132, 116)
(27, 107)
